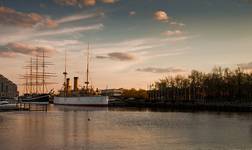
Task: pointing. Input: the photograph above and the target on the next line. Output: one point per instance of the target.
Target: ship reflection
(76, 131)
(75, 108)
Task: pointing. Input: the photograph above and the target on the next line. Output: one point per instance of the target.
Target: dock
(24, 107)
(9, 107)
(32, 106)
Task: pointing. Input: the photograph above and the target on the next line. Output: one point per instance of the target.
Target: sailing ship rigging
(37, 79)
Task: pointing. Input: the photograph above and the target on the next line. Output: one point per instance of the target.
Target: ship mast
(35, 80)
(65, 77)
(87, 72)
(43, 71)
(31, 74)
(36, 75)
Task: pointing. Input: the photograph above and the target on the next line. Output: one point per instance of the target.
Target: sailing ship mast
(36, 80)
(43, 72)
(31, 74)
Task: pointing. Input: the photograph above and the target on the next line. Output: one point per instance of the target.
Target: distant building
(8, 89)
(112, 92)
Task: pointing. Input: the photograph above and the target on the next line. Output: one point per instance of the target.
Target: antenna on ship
(87, 73)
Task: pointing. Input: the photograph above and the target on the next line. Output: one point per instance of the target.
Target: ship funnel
(67, 84)
(75, 84)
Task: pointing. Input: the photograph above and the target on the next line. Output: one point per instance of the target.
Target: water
(63, 128)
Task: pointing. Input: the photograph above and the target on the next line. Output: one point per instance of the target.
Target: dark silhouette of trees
(219, 85)
(133, 93)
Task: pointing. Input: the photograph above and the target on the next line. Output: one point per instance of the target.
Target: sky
(132, 42)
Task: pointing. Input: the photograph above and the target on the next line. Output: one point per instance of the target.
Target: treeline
(219, 85)
(134, 93)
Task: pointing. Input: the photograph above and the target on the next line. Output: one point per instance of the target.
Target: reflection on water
(116, 128)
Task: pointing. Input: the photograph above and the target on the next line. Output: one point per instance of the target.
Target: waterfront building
(112, 92)
(8, 89)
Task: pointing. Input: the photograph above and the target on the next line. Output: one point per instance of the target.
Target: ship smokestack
(75, 84)
(68, 84)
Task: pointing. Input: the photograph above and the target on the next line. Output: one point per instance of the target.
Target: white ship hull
(82, 100)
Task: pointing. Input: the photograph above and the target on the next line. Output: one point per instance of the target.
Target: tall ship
(85, 95)
(36, 80)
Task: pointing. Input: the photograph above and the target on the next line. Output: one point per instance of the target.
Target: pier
(8, 107)
(32, 106)
(24, 107)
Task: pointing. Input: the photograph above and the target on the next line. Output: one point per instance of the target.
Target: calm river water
(74, 128)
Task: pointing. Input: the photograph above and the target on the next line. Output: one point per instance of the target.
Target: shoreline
(167, 106)
(185, 106)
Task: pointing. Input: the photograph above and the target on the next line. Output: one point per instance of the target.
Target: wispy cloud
(144, 48)
(131, 45)
(160, 70)
(109, 1)
(11, 17)
(175, 39)
(78, 17)
(177, 24)
(118, 56)
(28, 35)
(82, 2)
(71, 30)
(13, 49)
(89, 2)
(132, 13)
(173, 33)
(56, 43)
(67, 2)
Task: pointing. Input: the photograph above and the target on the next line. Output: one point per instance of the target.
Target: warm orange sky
(132, 43)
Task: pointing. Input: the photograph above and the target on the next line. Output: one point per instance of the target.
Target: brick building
(8, 89)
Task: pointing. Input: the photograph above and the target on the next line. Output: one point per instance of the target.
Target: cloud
(175, 39)
(109, 1)
(160, 70)
(56, 43)
(145, 48)
(173, 33)
(118, 56)
(161, 16)
(13, 49)
(89, 2)
(75, 2)
(67, 2)
(78, 17)
(132, 13)
(177, 24)
(72, 30)
(82, 2)
(11, 17)
(246, 66)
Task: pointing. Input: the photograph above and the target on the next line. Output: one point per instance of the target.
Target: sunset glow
(132, 43)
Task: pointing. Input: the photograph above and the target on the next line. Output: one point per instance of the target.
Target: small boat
(3, 102)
